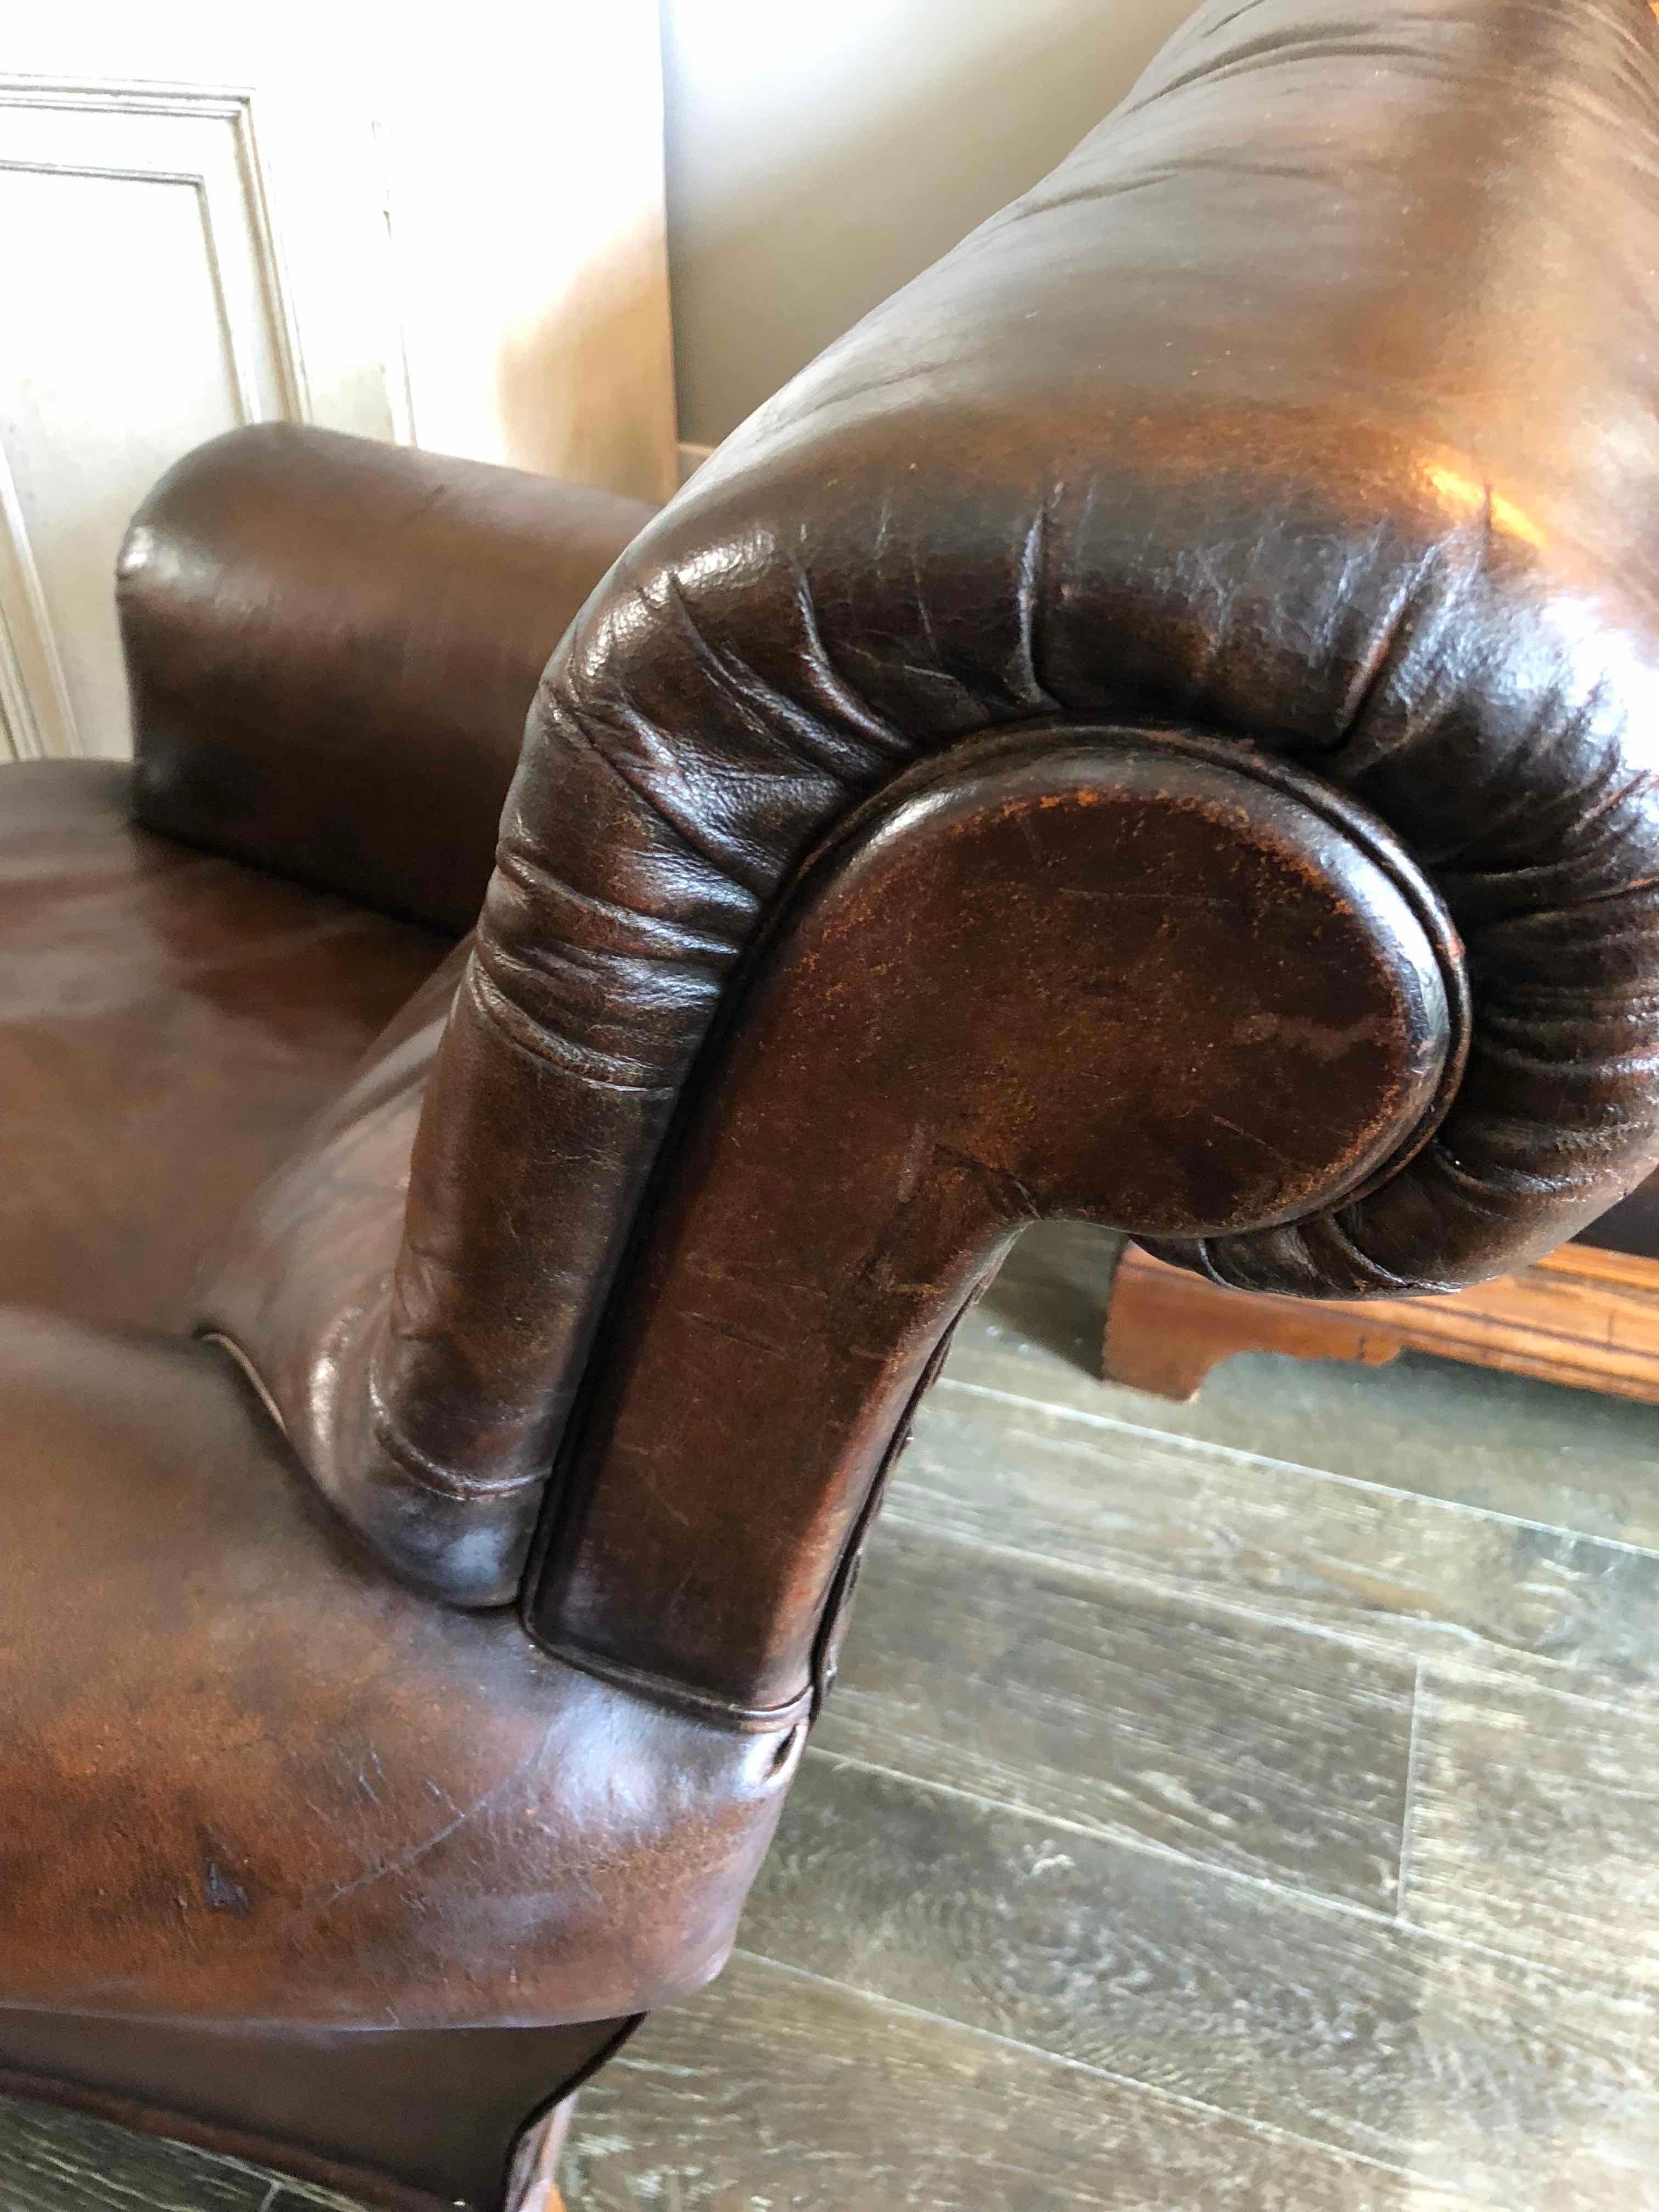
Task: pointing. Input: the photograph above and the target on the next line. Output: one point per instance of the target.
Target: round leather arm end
(1147, 978)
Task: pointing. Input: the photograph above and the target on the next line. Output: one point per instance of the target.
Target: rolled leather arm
(331, 645)
(1291, 412)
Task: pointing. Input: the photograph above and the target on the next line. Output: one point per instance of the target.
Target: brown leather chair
(1154, 727)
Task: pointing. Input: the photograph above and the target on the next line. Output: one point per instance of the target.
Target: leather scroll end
(1150, 978)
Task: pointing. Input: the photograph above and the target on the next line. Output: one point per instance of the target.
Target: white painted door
(442, 228)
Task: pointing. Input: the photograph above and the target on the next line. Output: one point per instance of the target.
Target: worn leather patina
(1153, 726)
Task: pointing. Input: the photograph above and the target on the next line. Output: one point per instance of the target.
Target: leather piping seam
(700, 1704)
(513, 2196)
(414, 1466)
(250, 1373)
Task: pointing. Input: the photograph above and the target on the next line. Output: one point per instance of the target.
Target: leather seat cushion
(245, 1775)
(169, 1021)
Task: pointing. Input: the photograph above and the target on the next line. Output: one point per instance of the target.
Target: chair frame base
(510, 2160)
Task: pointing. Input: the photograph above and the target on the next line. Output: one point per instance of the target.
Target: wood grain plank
(1567, 1458)
(52, 2160)
(1268, 1749)
(1535, 1827)
(1586, 1318)
(1419, 1575)
(1452, 2066)
(774, 2090)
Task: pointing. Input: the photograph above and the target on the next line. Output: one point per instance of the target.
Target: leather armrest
(1288, 408)
(1291, 412)
(332, 646)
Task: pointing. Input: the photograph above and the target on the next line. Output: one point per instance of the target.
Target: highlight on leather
(1292, 408)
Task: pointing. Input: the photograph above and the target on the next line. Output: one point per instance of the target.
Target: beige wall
(820, 152)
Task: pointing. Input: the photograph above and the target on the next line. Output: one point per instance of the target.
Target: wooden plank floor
(1251, 1805)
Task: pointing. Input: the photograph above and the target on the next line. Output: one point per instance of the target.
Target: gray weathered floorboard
(1245, 1744)
(53, 2160)
(1534, 1449)
(773, 2091)
(1453, 2066)
(1420, 1574)
(1535, 1827)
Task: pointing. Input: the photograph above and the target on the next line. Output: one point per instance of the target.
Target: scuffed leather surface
(332, 644)
(1021, 961)
(169, 1023)
(1311, 402)
(245, 1776)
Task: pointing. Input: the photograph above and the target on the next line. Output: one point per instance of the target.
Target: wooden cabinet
(1582, 1316)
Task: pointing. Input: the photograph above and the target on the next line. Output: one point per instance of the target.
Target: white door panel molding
(211, 215)
(143, 295)
(37, 719)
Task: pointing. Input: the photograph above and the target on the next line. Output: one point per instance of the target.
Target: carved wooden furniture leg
(534, 2186)
(1582, 1316)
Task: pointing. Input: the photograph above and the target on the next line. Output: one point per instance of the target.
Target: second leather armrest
(332, 644)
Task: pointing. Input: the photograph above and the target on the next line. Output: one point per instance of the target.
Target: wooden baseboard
(1584, 1317)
